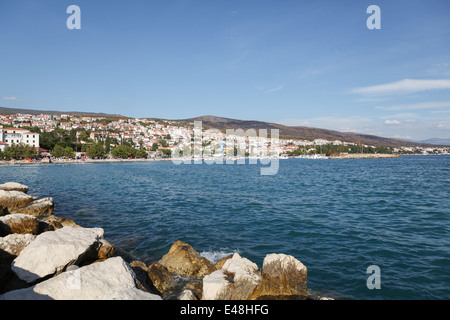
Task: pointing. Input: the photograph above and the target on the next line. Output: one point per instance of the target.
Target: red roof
(14, 129)
(2, 143)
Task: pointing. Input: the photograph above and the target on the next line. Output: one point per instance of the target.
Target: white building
(15, 136)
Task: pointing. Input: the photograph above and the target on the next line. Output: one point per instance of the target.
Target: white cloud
(404, 86)
(418, 106)
(274, 89)
(10, 98)
(392, 122)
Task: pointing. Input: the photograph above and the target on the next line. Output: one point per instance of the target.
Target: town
(67, 136)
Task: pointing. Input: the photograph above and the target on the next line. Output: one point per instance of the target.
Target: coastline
(113, 160)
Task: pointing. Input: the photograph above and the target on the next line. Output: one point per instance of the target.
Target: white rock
(283, 261)
(51, 252)
(15, 243)
(14, 186)
(216, 286)
(112, 279)
(14, 199)
(187, 295)
(237, 280)
(39, 207)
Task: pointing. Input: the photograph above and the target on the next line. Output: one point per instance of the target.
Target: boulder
(237, 280)
(105, 251)
(60, 222)
(51, 252)
(282, 275)
(40, 207)
(219, 264)
(14, 186)
(183, 260)
(18, 223)
(187, 295)
(111, 279)
(12, 245)
(162, 279)
(11, 200)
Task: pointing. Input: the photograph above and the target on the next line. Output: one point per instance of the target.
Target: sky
(294, 62)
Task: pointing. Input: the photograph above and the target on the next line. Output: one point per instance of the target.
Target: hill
(300, 132)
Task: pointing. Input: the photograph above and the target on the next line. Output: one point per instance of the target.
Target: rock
(282, 275)
(219, 264)
(237, 280)
(111, 279)
(162, 279)
(61, 222)
(51, 252)
(40, 207)
(52, 223)
(12, 245)
(14, 186)
(105, 251)
(187, 295)
(18, 223)
(183, 260)
(11, 200)
(5, 276)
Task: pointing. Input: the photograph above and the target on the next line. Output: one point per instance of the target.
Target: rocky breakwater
(47, 257)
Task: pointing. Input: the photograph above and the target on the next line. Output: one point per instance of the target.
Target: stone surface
(282, 275)
(219, 264)
(111, 279)
(237, 280)
(162, 279)
(187, 295)
(18, 223)
(14, 186)
(183, 260)
(40, 207)
(13, 244)
(11, 200)
(51, 252)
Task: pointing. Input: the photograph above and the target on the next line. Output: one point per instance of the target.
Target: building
(9, 136)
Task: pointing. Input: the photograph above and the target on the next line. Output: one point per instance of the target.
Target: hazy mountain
(445, 142)
(4, 110)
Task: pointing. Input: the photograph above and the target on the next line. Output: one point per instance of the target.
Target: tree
(155, 147)
(96, 151)
(20, 151)
(141, 153)
(167, 152)
(123, 151)
(107, 144)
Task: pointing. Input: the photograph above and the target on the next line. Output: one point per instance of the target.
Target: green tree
(141, 153)
(123, 151)
(58, 151)
(155, 147)
(96, 151)
(20, 151)
(167, 152)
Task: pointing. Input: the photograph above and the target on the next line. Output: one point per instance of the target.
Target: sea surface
(338, 217)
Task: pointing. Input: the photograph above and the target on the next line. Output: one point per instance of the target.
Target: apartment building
(9, 136)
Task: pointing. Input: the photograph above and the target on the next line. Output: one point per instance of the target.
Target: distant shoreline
(62, 161)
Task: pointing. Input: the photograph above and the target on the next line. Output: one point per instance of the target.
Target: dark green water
(336, 216)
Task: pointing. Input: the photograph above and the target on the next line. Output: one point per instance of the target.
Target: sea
(346, 220)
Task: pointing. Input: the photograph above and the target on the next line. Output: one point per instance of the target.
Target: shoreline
(112, 160)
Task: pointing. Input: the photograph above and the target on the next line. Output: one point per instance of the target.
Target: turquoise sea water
(336, 216)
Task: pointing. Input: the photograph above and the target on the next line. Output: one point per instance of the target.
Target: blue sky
(312, 63)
